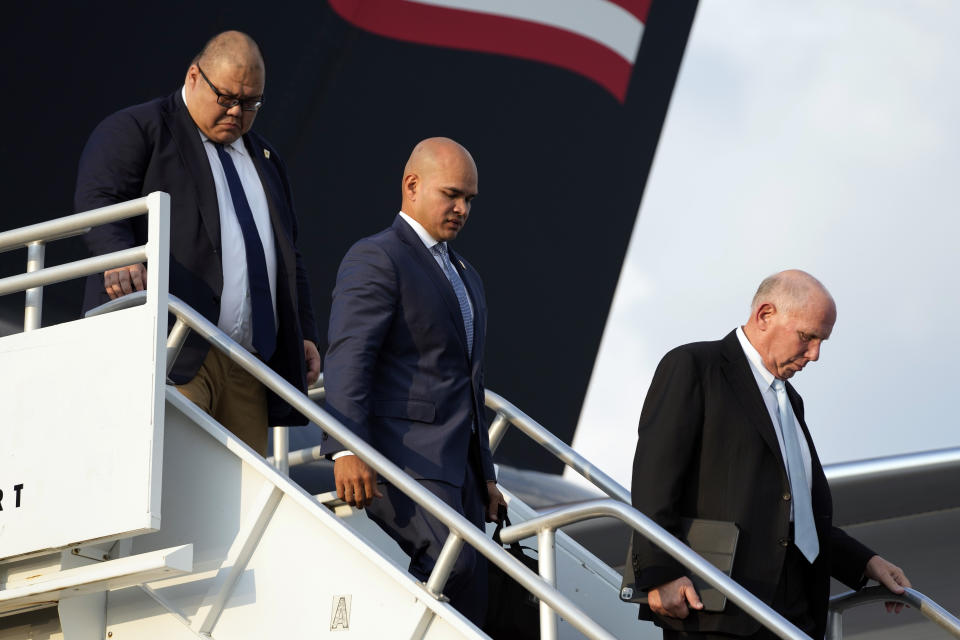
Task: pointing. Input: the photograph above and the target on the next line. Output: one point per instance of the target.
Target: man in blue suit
(404, 369)
(233, 254)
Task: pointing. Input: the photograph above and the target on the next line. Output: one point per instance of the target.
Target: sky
(818, 135)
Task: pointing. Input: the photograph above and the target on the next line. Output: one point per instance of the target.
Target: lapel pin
(462, 266)
(266, 153)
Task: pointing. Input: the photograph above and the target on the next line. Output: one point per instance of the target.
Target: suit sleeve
(364, 303)
(668, 441)
(111, 170)
(848, 559)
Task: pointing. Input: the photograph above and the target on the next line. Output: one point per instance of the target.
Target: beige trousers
(232, 397)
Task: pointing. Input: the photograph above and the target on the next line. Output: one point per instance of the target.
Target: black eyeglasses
(228, 101)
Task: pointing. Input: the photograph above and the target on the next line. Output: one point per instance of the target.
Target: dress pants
(233, 397)
(421, 536)
(789, 600)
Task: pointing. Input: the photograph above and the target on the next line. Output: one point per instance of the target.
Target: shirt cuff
(340, 454)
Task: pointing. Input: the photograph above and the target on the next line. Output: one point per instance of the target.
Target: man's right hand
(674, 599)
(356, 481)
(123, 280)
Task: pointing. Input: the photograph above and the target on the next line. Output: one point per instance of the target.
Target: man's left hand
(495, 499)
(312, 356)
(890, 576)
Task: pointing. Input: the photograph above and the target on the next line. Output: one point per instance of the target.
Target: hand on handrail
(123, 280)
(890, 576)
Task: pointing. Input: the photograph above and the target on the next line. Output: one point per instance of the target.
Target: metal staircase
(139, 516)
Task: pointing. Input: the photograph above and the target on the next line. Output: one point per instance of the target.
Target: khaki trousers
(232, 397)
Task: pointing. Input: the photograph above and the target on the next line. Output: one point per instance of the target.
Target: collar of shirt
(760, 372)
(765, 380)
(425, 237)
(237, 145)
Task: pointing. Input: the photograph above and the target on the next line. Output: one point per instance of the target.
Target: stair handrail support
(878, 593)
(455, 522)
(155, 253)
(507, 414)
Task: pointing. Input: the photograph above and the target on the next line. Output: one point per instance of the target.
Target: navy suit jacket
(397, 371)
(156, 146)
(707, 449)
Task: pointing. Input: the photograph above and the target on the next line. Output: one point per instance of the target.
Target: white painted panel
(306, 556)
(318, 569)
(78, 425)
(604, 22)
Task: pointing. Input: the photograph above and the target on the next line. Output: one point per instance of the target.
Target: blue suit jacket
(155, 146)
(397, 371)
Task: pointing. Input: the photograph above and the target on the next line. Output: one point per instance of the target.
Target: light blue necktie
(440, 249)
(804, 529)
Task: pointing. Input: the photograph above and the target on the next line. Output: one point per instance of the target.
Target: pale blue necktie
(440, 249)
(804, 529)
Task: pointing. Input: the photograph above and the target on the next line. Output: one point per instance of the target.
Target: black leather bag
(513, 613)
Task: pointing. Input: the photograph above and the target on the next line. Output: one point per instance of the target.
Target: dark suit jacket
(156, 146)
(707, 448)
(397, 371)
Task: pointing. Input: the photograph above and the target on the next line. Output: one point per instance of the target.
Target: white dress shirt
(765, 381)
(235, 306)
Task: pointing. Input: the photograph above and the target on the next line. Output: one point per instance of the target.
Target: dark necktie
(264, 327)
(440, 249)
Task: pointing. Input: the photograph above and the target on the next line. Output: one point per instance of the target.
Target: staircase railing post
(547, 561)
(281, 449)
(444, 565)
(834, 625)
(33, 309)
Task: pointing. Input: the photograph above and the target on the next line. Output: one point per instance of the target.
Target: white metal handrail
(461, 530)
(35, 238)
(925, 605)
(507, 414)
(544, 526)
(456, 523)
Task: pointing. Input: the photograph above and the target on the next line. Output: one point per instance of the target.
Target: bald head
(433, 154)
(791, 316)
(223, 80)
(790, 290)
(232, 49)
(438, 186)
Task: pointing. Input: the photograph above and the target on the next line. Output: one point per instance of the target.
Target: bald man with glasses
(233, 231)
